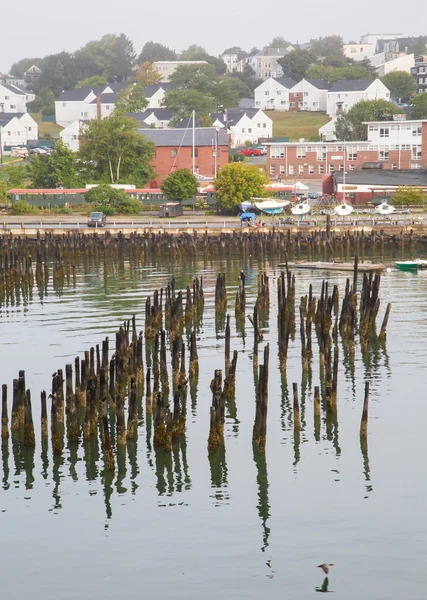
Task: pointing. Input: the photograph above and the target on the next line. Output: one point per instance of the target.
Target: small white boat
(303, 208)
(271, 206)
(384, 208)
(343, 209)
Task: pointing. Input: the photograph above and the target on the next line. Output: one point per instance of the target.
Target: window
(277, 152)
(196, 153)
(300, 169)
(258, 103)
(29, 128)
(384, 132)
(282, 169)
(352, 155)
(292, 104)
(258, 125)
(267, 93)
(7, 97)
(351, 167)
(314, 103)
(301, 152)
(383, 155)
(174, 153)
(331, 169)
(393, 166)
(13, 106)
(272, 169)
(107, 107)
(341, 168)
(279, 93)
(249, 130)
(264, 125)
(290, 169)
(64, 105)
(311, 169)
(283, 102)
(321, 169)
(417, 130)
(305, 93)
(416, 152)
(243, 130)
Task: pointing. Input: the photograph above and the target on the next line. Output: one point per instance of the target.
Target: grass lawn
(296, 125)
(46, 128)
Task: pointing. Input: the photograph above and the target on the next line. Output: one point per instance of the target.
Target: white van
(19, 152)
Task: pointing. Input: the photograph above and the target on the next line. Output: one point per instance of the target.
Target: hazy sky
(43, 27)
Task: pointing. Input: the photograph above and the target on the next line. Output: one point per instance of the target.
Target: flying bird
(325, 567)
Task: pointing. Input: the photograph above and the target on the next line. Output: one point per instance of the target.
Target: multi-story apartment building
(419, 73)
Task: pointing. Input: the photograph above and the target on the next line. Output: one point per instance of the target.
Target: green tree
(180, 185)
(193, 52)
(351, 125)
(112, 151)
(18, 69)
(279, 42)
(183, 102)
(153, 52)
(146, 74)
(400, 84)
(418, 46)
(408, 196)
(330, 45)
(333, 74)
(57, 170)
(132, 99)
(113, 55)
(3, 189)
(91, 82)
(419, 106)
(105, 195)
(195, 77)
(205, 121)
(296, 63)
(15, 175)
(236, 183)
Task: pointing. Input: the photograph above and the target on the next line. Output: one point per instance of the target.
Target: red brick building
(174, 150)
(393, 145)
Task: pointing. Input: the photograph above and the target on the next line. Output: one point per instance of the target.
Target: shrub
(21, 207)
(65, 210)
(129, 206)
(106, 209)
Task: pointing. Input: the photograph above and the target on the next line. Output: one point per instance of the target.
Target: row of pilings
(103, 384)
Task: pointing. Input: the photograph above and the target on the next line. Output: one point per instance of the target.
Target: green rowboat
(407, 265)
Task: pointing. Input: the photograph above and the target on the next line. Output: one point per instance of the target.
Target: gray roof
(106, 98)
(287, 82)
(414, 177)
(163, 114)
(273, 52)
(188, 122)
(246, 103)
(351, 85)
(79, 95)
(150, 90)
(318, 83)
(6, 117)
(13, 89)
(204, 136)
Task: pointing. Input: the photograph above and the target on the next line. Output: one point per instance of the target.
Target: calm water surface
(237, 525)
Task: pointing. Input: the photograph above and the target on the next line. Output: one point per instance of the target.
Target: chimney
(98, 107)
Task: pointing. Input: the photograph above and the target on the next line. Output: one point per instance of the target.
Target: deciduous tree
(408, 196)
(132, 99)
(146, 74)
(296, 63)
(400, 84)
(54, 171)
(419, 106)
(180, 185)
(153, 52)
(15, 175)
(236, 183)
(350, 126)
(94, 81)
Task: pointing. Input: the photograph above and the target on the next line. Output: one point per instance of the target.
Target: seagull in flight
(325, 567)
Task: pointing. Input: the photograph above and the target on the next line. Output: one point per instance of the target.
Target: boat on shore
(334, 266)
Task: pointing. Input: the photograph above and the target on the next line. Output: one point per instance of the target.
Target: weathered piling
(364, 420)
(257, 335)
(4, 416)
(148, 405)
(120, 422)
(227, 346)
(43, 417)
(317, 412)
(263, 298)
(216, 429)
(162, 426)
(240, 305)
(29, 435)
(164, 379)
(193, 367)
(15, 407)
(220, 293)
(108, 449)
(68, 386)
(55, 427)
(259, 436)
(230, 380)
(383, 332)
(132, 426)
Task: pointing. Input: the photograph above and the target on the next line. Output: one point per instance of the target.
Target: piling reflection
(263, 505)
(219, 476)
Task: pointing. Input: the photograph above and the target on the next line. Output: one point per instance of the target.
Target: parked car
(97, 219)
(263, 150)
(38, 151)
(250, 152)
(313, 195)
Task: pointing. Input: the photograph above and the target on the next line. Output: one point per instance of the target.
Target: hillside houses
(250, 125)
(17, 129)
(346, 93)
(85, 104)
(273, 93)
(13, 99)
(265, 63)
(309, 95)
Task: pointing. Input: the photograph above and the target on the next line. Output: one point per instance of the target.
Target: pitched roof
(273, 52)
(163, 114)
(287, 82)
(246, 103)
(150, 90)
(13, 89)
(351, 85)
(415, 177)
(106, 99)
(5, 118)
(318, 83)
(78, 95)
(203, 136)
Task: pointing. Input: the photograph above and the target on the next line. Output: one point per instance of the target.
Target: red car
(250, 152)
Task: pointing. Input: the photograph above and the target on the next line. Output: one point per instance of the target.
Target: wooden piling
(364, 420)
(4, 416)
(297, 415)
(29, 435)
(43, 417)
